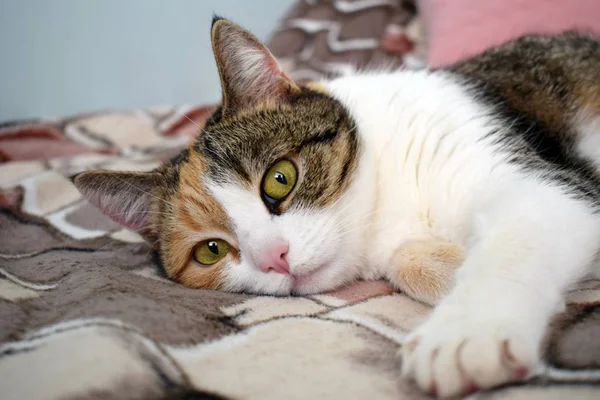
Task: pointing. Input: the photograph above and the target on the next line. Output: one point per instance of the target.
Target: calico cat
(488, 168)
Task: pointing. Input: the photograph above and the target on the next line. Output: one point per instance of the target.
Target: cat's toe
(458, 357)
(448, 375)
(491, 361)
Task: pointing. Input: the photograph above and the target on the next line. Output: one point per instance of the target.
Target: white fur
(428, 168)
(439, 175)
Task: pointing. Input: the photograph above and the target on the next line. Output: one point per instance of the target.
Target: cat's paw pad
(458, 355)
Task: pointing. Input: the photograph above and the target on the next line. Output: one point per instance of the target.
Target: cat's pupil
(213, 247)
(279, 177)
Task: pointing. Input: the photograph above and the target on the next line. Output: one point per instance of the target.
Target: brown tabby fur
(547, 77)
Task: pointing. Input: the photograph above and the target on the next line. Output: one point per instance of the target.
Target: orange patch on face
(424, 269)
(201, 277)
(195, 211)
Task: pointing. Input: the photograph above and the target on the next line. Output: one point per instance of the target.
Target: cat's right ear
(249, 73)
(125, 197)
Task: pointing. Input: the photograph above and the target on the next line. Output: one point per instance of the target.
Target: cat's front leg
(528, 246)
(424, 268)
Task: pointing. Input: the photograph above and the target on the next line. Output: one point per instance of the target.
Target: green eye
(279, 180)
(210, 251)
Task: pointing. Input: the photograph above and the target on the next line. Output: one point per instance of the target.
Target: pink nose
(272, 258)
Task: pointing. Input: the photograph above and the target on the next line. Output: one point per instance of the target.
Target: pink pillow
(457, 29)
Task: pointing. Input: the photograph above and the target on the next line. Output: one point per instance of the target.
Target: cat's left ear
(249, 72)
(125, 197)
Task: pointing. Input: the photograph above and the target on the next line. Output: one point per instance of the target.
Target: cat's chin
(313, 282)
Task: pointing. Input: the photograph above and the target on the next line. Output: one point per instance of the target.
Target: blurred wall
(60, 57)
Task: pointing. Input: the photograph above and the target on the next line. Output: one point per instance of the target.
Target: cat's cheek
(313, 241)
(329, 277)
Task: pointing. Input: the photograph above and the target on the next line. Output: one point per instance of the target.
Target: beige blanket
(86, 314)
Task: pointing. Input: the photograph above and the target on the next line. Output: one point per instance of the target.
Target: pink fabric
(461, 28)
(39, 141)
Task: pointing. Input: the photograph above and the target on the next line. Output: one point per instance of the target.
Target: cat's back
(554, 79)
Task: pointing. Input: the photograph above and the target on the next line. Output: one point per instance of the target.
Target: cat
(475, 187)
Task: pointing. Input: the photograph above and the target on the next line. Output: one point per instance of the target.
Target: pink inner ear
(133, 225)
(250, 73)
(126, 209)
(257, 76)
(134, 219)
(125, 197)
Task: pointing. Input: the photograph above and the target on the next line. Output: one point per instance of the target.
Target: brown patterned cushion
(327, 38)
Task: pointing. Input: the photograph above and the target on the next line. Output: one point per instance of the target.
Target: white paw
(455, 353)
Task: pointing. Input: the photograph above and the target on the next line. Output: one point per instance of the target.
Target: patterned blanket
(85, 312)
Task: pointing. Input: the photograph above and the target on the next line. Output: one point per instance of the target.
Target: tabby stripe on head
(225, 160)
(325, 137)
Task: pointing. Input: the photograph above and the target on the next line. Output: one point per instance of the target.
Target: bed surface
(85, 312)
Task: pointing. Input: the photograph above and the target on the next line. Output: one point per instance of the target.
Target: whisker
(191, 120)
(348, 228)
(352, 202)
(140, 212)
(358, 220)
(356, 228)
(142, 191)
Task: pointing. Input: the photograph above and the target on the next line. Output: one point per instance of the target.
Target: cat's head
(266, 199)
